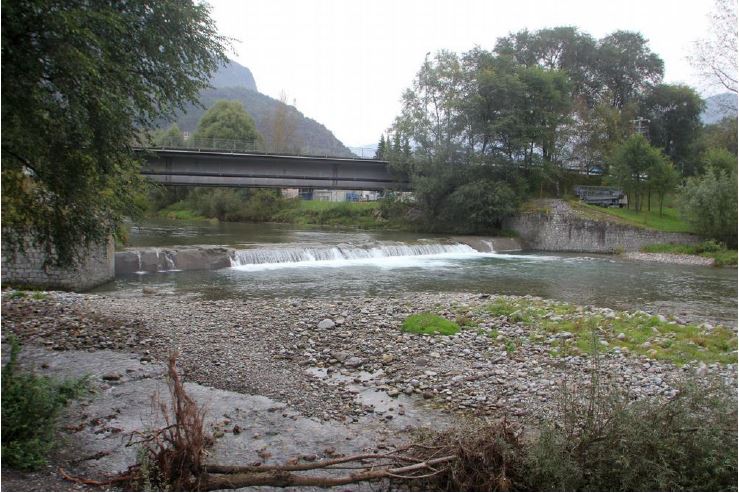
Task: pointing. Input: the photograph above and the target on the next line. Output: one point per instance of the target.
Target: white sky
(346, 63)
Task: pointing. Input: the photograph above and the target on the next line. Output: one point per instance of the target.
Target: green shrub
(30, 407)
(604, 441)
(430, 324)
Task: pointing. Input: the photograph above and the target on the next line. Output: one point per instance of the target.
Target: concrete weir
(217, 257)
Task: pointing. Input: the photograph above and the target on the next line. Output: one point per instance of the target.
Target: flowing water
(285, 261)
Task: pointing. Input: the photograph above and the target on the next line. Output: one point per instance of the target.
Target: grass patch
(570, 330)
(670, 221)
(30, 407)
(429, 324)
(182, 211)
(710, 249)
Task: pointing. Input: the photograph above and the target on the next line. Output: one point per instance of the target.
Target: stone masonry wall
(560, 229)
(27, 270)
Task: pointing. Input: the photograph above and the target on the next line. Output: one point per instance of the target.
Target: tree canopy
(81, 83)
(227, 121)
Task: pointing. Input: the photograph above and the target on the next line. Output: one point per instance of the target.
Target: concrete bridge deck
(242, 169)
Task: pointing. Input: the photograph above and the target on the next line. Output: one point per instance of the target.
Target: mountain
(234, 75)
(718, 107)
(234, 81)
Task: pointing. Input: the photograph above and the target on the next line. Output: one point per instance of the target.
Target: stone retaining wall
(26, 270)
(560, 229)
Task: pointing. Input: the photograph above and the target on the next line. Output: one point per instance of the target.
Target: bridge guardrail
(228, 145)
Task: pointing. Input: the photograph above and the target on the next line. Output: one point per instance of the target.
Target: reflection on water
(601, 280)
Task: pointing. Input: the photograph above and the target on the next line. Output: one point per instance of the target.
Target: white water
(386, 256)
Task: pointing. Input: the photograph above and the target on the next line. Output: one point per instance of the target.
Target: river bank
(300, 376)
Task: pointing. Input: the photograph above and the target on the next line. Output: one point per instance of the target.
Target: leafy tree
(719, 159)
(481, 205)
(627, 68)
(663, 178)
(80, 81)
(709, 203)
(674, 123)
(172, 137)
(226, 123)
(715, 57)
(282, 137)
(721, 135)
(631, 163)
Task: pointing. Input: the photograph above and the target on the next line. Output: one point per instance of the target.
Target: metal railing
(252, 146)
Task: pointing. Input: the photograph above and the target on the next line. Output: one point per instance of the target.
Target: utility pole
(640, 125)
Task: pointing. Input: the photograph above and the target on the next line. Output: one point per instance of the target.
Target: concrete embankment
(555, 226)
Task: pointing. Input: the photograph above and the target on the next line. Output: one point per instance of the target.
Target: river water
(286, 261)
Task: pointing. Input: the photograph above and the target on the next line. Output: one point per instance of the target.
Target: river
(294, 261)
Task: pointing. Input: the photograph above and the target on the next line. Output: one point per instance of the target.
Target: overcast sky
(347, 62)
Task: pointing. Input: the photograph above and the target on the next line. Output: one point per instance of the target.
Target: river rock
(326, 323)
(353, 362)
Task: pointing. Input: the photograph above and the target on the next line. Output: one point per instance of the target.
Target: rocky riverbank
(305, 379)
(337, 359)
(670, 258)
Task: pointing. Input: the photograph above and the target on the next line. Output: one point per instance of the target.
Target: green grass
(366, 215)
(669, 221)
(429, 324)
(719, 253)
(30, 407)
(637, 333)
(180, 210)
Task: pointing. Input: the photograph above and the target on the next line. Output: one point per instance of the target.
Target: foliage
(719, 159)
(721, 135)
(709, 203)
(30, 407)
(631, 164)
(429, 324)
(674, 123)
(711, 249)
(601, 440)
(172, 137)
(80, 82)
(228, 121)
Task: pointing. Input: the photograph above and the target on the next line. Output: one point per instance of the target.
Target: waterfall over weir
(337, 256)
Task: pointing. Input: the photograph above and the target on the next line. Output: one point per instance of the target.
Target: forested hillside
(284, 128)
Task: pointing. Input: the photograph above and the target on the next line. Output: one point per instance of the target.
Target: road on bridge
(243, 169)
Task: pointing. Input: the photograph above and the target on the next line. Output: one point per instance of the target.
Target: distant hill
(234, 75)
(235, 81)
(718, 107)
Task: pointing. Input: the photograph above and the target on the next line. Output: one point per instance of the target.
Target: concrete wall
(559, 229)
(27, 270)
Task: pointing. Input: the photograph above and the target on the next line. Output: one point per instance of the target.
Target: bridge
(218, 168)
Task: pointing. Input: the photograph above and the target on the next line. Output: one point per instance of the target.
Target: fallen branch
(280, 477)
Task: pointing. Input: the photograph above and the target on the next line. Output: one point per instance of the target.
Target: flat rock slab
(97, 430)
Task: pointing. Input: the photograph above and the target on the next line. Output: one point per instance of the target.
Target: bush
(603, 441)
(429, 324)
(709, 203)
(30, 407)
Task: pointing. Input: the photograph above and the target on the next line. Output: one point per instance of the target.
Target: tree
(172, 137)
(80, 82)
(721, 135)
(627, 68)
(381, 148)
(715, 57)
(719, 159)
(227, 124)
(630, 166)
(709, 203)
(674, 123)
(282, 125)
(663, 178)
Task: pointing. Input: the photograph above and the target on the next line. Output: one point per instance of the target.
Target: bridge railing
(228, 145)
